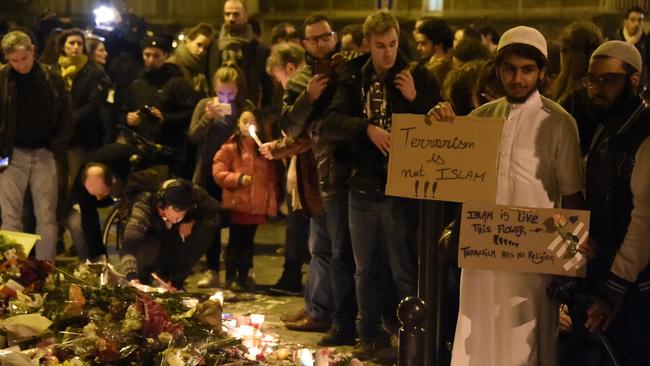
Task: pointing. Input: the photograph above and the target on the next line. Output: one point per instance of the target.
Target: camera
(146, 112)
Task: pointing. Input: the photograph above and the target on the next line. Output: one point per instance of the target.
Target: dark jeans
(169, 257)
(239, 253)
(342, 262)
(295, 247)
(318, 290)
(382, 232)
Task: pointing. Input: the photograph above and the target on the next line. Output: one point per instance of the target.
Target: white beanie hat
(524, 35)
(620, 50)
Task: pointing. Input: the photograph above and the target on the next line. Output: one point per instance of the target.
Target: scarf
(70, 67)
(184, 58)
(231, 44)
(632, 38)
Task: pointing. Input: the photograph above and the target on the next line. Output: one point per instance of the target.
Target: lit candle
(257, 320)
(251, 131)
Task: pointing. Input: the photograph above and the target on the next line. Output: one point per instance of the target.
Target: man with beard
(237, 43)
(330, 283)
(159, 103)
(506, 318)
(632, 33)
(618, 195)
(382, 228)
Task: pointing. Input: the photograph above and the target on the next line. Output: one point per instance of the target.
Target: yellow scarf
(70, 67)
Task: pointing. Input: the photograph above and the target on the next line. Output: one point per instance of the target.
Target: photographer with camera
(159, 103)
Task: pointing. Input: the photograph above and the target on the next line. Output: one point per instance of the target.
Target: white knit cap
(622, 51)
(524, 35)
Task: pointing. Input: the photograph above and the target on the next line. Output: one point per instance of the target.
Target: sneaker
(234, 286)
(100, 259)
(338, 336)
(369, 348)
(210, 279)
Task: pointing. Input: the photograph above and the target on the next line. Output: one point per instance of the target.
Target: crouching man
(167, 232)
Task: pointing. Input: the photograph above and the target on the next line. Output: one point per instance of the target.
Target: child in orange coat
(249, 193)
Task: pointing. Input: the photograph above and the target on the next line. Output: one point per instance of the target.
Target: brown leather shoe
(309, 324)
(294, 317)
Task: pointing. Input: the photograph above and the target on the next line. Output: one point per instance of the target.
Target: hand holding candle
(251, 131)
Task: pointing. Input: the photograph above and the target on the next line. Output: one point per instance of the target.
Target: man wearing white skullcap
(506, 318)
(618, 196)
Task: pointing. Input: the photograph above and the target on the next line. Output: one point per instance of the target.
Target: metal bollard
(412, 313)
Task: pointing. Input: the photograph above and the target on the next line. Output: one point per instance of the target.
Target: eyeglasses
(605, 80)
(325, 37)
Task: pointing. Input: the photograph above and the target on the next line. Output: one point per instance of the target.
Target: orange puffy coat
(258, 198)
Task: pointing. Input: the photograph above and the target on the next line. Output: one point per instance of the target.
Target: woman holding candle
(213, 121)
(249, 192)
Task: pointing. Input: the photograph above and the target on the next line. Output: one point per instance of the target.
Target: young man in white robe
(505, 318)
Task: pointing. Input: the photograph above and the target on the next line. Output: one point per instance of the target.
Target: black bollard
(412, 312)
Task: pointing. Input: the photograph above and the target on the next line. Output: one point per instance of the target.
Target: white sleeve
(633, 255)
(569, 167)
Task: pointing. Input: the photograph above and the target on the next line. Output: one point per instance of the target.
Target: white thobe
(506, 318)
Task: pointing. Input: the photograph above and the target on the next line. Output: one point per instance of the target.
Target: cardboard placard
(444, 161)
(26, 240)
(516, 239)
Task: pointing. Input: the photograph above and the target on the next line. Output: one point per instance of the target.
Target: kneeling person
(167, 232)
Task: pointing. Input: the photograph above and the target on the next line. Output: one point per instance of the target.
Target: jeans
(382, 232)
(342, 263)
(36, 168)
(318, 289)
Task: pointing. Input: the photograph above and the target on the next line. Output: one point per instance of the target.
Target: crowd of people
(233, 128)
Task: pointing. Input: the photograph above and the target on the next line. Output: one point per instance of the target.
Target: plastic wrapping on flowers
(50, 316)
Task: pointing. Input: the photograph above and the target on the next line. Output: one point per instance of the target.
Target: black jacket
(165, 89)
(300, 118)
(57, 104)
(89, 91)
(345, 119)
(609, 195)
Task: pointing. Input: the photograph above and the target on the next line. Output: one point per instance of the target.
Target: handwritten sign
(515, 239)
(444, 161)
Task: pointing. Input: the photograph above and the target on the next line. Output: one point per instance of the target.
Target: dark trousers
(169, 256)
(342, 261)
(239, 253)
(382, 232)
(213, 256)
(295, 247)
